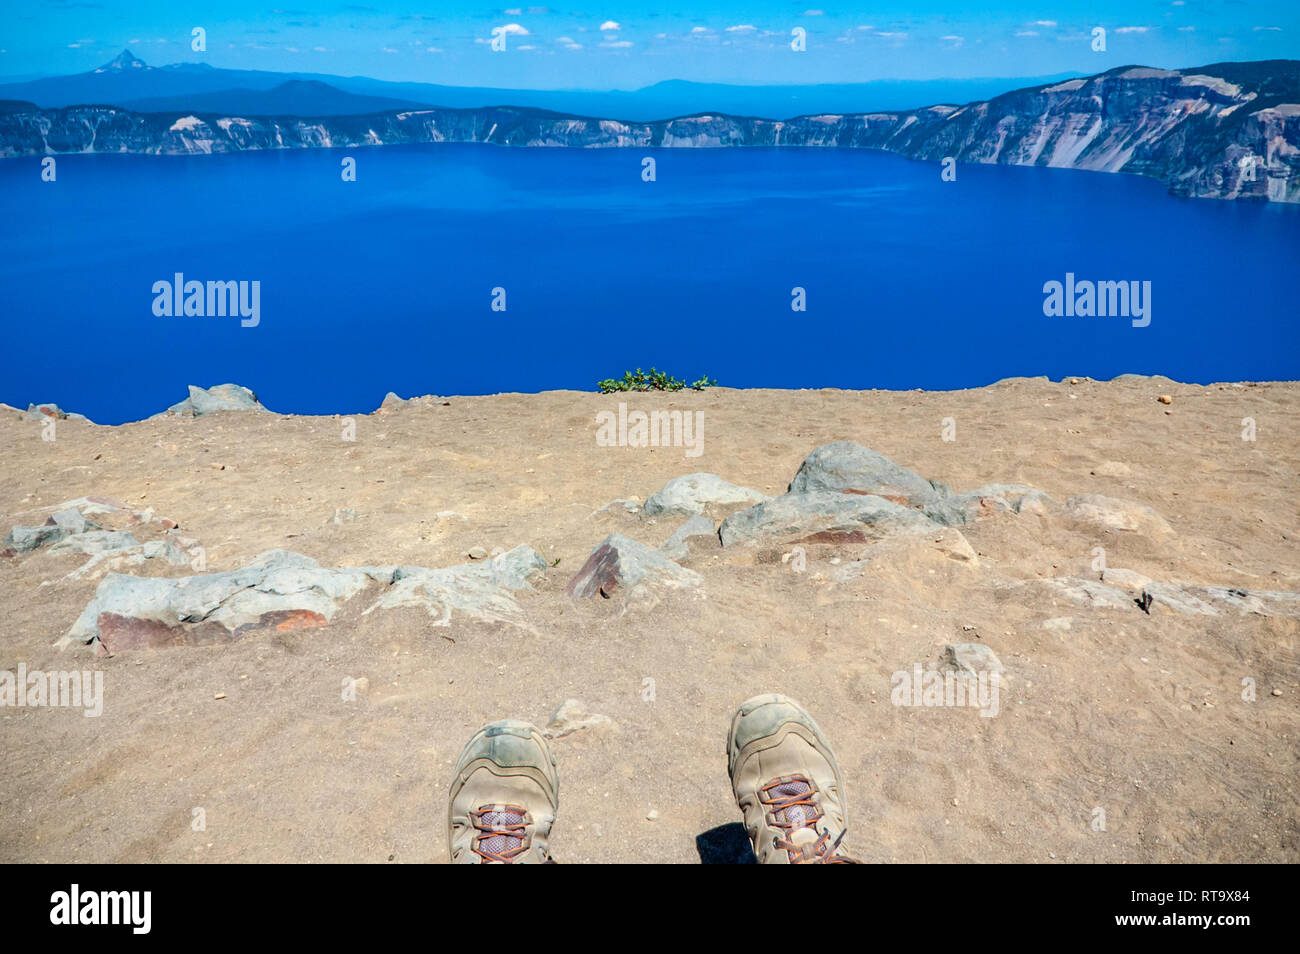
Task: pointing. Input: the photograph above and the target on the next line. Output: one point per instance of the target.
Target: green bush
(652, 380)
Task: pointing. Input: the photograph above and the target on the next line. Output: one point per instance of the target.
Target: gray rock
(342, 515)
(482, 591)
(676, 546)
(391, 400)
(1128, 580)
(222, 397)
(849, 468)
(972, 658)
(572, 716)
(1112, 514)
(74, 521)
(1079, 590)
(41, 412)
(95, 542)
(992, 498)
(477, 553)
(27, 539)
(1219, 600)
(279, 588)
(621, 561)
(866, 517)
(695, 493)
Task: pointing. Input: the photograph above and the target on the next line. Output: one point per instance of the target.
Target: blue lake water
(386, 283)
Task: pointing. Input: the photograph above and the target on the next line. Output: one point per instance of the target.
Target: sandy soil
(1139, 715)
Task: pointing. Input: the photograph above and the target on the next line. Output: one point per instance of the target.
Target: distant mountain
(1229, 130)
(124, 62)
(129, 82)
(294, 98)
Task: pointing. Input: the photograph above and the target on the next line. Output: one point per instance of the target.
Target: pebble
(1165, 399)
(477, 553)
(219, 695)
(652, 815)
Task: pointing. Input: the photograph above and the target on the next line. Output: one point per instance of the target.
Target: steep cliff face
(1231, 130)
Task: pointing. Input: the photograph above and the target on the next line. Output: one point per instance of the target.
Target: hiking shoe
(787, 783)
(503, 797)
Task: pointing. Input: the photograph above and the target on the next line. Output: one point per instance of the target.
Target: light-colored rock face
(697, 493)
(793, 516)
(621, 562)
(282, 591)
(971, 658)
(1110, 513)
(573, 716)
(677, 546)
(222, 397)
(846, 467)
(1161, 123)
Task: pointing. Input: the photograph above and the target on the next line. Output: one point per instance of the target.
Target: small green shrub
(652, 380)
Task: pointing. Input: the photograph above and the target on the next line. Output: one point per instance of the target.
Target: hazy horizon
(618, 48)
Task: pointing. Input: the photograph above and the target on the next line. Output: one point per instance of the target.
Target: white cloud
(433, 49)
(742, 28)
(1132, 29)
(617, 44)
(320, 49)
(526, 46)
(514, 12)
(1027, 33)
(1186, 29)
(510, 29)
(1045, 23)
(953, 38)
(814, 13)
(389, 49)
(699, 30)
(610, 26)
(1269, 29)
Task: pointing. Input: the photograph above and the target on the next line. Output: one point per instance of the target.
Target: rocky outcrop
(1229, 130)
(1108, 513)
(695, 494)
(677, 546)
(823, 515)
(844, 467)
(222, 397)
(482, 591)
(69, 529)
(283, 591)
(620, 561)
(45, 411)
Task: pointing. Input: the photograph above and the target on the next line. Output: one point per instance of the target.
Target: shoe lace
(792, 805)
(502, 832)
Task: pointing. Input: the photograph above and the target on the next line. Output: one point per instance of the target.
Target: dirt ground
(1141, 716)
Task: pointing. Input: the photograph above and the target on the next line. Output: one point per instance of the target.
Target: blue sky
(604, 44)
